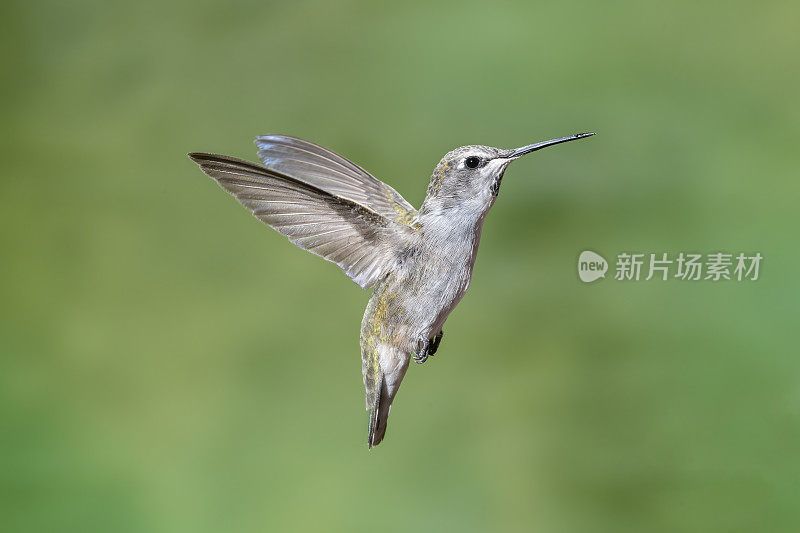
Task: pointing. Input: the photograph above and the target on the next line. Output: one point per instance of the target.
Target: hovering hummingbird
(419, 262)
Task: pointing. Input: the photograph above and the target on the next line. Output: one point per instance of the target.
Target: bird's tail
(383, 367)
(379, 413)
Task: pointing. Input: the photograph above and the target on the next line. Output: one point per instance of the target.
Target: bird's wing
(336, 228)
(318, 166)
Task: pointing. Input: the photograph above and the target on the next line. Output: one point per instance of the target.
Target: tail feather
(383, 367)
(379, 415)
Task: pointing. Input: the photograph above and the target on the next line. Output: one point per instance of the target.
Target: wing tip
(208, 160)
(200, 157)
(276, 138)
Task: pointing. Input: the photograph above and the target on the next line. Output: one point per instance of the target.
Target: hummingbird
(418, 262)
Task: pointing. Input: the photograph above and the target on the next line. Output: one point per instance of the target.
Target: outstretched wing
(318, 166)
(355, 237)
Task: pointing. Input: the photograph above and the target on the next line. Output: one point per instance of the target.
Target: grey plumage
(419, 263)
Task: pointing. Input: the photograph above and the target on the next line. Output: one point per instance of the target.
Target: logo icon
(591, 266)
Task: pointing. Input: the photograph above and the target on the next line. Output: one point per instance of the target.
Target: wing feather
(320, 167)
(339, 229)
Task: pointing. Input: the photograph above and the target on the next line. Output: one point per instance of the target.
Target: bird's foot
(427, 348)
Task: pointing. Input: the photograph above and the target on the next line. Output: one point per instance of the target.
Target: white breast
(448, 272)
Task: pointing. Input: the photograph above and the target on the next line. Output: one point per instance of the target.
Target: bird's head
(469, 177)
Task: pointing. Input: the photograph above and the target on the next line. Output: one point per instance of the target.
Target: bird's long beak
(519, 152)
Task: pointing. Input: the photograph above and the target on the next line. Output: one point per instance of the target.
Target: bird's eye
(472, 162)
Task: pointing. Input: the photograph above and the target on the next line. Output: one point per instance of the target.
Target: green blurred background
(168, 364)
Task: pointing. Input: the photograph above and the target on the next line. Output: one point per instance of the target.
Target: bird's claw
(427, 348)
